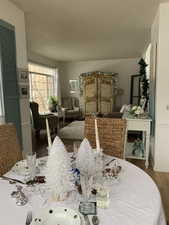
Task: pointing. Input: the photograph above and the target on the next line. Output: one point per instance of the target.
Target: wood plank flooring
(161, 179)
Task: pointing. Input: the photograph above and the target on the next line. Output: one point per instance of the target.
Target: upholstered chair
(71, 108)
(39, 121)
(111, 134)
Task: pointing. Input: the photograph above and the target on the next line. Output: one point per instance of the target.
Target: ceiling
(73, 30)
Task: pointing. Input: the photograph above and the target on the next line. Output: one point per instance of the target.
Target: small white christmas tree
(58, 170)
(85, 159)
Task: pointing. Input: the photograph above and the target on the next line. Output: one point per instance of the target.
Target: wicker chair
(10, 151)
(111, 134)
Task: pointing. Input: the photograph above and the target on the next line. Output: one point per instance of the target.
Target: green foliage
(53, 100)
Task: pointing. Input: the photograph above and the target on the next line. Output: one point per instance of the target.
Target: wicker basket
(10, 151)
(111, 134)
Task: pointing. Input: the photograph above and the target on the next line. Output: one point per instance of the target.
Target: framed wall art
(74, 86)
(24, 91)
(23, 75)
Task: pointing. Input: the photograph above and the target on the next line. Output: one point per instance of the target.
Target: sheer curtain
(147, 59)
(57, 90)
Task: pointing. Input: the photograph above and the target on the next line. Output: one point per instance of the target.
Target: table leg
(147, 148)
(125, 143)
(144, 142)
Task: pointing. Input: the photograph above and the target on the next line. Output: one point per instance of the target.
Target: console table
(135, 124)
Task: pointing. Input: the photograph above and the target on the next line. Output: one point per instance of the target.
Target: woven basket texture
(10, 151)
(111, 134)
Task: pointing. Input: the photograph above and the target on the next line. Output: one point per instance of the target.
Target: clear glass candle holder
(31, 164)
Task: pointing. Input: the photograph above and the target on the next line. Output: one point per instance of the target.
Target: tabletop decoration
(57, 215)
(98, 156)
(21, 168)
(19, 195)
(95, 220)
(97, 136)
(31, 165)
(136, 111)
(76, 175)
(85, 158)
(48, 134)
(112, 171)
(86, 182)
(102, 197)
(85, 162)
(88, 208)
(98, 164)
(37, 180)
(58, 171)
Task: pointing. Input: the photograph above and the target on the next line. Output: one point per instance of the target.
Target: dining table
(134, 199)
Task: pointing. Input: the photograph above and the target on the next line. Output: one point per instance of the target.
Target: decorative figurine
(21, 199)
(138, 146)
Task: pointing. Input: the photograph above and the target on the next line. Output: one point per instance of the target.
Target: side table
(141, 124)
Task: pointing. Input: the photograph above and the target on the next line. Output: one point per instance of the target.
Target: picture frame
(88, 208)
(74, 86)
(24, 91)
(81, 85)
(23, 75)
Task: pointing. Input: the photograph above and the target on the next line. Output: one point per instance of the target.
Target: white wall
(11, 14)
(153, 69)
(160, 37)
(124, 67)
(32, 57)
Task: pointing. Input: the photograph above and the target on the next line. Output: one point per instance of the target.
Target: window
(41, 81)
(147, 59)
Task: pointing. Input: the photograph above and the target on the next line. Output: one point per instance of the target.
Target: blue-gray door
(9, 75)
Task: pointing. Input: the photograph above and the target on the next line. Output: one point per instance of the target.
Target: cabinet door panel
(90, 95)
(105, 89)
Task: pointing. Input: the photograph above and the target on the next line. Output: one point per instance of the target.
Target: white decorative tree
(58, 173)
(85, 160)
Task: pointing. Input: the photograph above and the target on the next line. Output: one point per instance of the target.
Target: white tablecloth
(135, 200)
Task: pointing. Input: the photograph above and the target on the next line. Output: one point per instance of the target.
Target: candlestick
(97, 137)
(48, 134)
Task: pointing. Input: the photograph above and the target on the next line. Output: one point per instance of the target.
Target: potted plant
(136, 111)
(53, 103)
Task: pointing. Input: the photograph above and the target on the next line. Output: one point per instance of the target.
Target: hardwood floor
(161, 179)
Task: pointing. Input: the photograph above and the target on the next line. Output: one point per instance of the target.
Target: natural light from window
(147, 59)
(42, 81)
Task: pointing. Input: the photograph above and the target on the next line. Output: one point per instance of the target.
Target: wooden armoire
(99, 92)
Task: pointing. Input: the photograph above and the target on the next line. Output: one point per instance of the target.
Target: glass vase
(98, 177)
